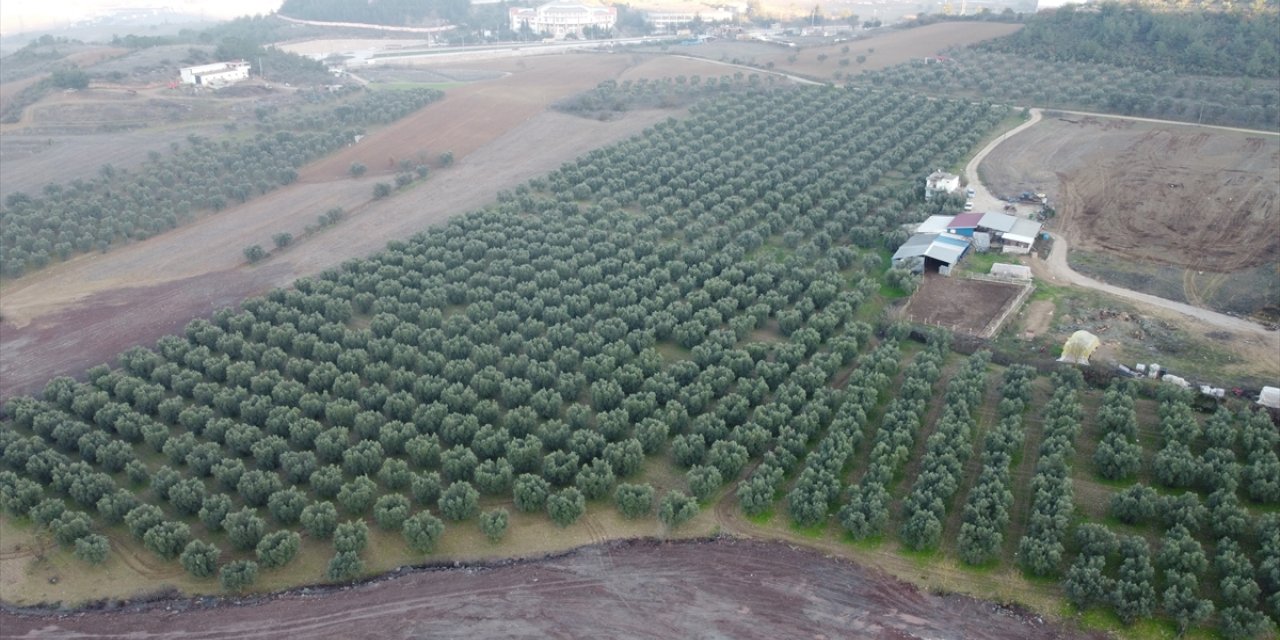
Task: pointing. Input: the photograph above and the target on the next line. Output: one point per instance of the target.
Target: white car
(968, 206)
(971, 193)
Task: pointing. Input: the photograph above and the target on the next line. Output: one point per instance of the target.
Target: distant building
(562, 19)
(215, 75)
(940, 182)
(672, 20)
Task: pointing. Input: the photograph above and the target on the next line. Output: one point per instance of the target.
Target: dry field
(502, 136)
(645, 589)
(1202, 204)
(882, 50)
(960, 304)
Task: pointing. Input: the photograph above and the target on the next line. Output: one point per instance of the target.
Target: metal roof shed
(1023, 231)
(914, 247)
(935, 224)
(965, 223)
(946, 248)
(1000, 222)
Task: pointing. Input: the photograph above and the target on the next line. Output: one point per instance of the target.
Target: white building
(216, 74)
(560, 19)
(940, 182)
(672, 20)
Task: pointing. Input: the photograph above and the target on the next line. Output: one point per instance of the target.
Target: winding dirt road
(727, 588)
(1057, 268)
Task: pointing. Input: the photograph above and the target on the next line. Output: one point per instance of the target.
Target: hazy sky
(25, 15)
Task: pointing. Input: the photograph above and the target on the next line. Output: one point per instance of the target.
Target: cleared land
(960, 304)
(1204, 202)
(725, 588)
(502, 136)
(880, 51)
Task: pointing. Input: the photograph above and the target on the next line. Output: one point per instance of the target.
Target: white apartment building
(560, 19)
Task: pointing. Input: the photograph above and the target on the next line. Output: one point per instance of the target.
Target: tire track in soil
(139, 564)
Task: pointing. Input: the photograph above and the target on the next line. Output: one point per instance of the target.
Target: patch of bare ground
(77, 314)
(1204, 203)
(959, 304)
(642, 589)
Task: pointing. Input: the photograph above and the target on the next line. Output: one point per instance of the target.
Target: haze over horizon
(17, 16)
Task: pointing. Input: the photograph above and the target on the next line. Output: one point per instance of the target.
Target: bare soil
(1196, 199)
(959, 304)
(643, 589)
(72, 316)
(881, 50)
(474, 115)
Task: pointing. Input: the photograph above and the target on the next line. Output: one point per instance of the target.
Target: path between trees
(1056, 266)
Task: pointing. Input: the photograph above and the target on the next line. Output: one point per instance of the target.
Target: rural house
(216, 74)
(940, 182)
(562, 19)
(964, 224)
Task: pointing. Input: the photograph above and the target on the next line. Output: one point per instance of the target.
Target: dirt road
(1056, 267)
(719, 589)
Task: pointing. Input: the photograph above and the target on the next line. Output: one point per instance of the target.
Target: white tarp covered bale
(1079, 347)
(1270, 397)
(1181, 382)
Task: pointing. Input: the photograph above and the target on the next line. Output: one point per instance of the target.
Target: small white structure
(1270, 397)
(1079, 347)
(1021, 237)
(1172, 379)
(940, 182)
(981, 240)
(1011, 271)
(561, 19)
(215, 75)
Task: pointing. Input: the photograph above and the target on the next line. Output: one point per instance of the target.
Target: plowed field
(720, 589)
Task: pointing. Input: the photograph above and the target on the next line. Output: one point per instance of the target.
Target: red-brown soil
(723, 588)
(959, 304)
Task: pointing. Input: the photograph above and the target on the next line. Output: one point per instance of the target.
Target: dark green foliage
(286, 505)
(595, 480)
(634, 500)
(167, 539)
(1135, 504)
(676, 508)
(1134, 595)
(704, 481)
(352, 536)
(277, 548)
(319, 519)
(93, 548)
(344, 565)
(244, 529)
(494, 524)
(566, 506)
(357, 496)
(530, 492)
(213, 510)
(200, 559)
(390, 511)
(71, 526)
(238, 574)
(142, 518)
(459, 501)
(425, 488)
(422, 531)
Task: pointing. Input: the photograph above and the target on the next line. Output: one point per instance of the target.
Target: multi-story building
(561, 19)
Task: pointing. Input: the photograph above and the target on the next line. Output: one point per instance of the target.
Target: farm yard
(962, 305)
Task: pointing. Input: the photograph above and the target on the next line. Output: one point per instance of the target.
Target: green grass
(981, 262)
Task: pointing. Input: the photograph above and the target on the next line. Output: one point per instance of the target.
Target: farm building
(964, 224)
(940, 182)
(216, 74)
(561, 19)
(930, 251)
(935, 224)
(1017, 235)
(1011, 271)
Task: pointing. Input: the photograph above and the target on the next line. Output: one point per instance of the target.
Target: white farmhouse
(216, 74)
(940, 182)
(560, 19)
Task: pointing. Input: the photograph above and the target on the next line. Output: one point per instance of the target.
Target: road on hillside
(1057, 267)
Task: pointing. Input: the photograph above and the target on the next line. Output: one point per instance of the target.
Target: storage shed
(964, 224)
(930, 251)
